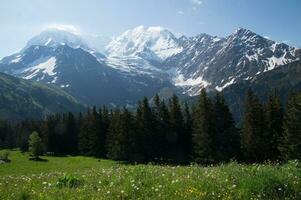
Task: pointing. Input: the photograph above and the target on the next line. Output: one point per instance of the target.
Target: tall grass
(103, 179)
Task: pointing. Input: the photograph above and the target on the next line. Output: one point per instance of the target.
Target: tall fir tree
(118, 145)
(89, 136)
(203, 130)
(290, 146)
(274, 119)
(254, 129)
(226, 140)
(144, 137)
(188, 132)
(177, 137)
(159, 129)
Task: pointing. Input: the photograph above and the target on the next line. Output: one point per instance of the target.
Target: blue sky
(22, 19)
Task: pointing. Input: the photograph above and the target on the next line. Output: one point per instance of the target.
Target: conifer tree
(203, 130)
(226, 140)
(159, 131)
(254, 129)
(35, 145)
(144, 138)
(290, 146)
(120, 129)
(188, 132)
(88, 136)
(165, 129)
(177, 136)
(274, 119)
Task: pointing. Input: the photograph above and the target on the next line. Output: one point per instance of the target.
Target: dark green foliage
(290, 146)
(145, 132)
(168, 133)
(188, 122)
(119, 134)
(23, 99)
(89, 136)
(274, 129)
(36, 147)
(177, 136)
(226, 139)
(69, 181)
(203, 130)
(254, 129)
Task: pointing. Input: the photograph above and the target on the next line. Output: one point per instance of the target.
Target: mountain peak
(243, 32)
(154, 40)
(53, 37)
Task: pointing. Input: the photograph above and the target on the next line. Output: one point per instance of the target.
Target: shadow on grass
(38, 159)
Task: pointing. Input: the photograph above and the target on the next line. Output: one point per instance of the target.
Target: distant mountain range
(147, 60)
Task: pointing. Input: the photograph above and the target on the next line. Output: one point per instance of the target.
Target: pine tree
(177, 136)
(203, 130)
(35, 146)
(226, 140)
(290, 146)
(50, 132)
(188, 132)
(144, 137)
(88, 136)
(159, 131)
(105, 115)
(274, 119)
(68, 134)
(165, 129)
(254, 129)
(119, 136)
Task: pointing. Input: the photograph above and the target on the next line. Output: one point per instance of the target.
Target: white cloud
(63, 27)
(180, 12)
(197, 2)
(267, 37)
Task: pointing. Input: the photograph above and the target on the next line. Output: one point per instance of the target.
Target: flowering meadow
(90, 178)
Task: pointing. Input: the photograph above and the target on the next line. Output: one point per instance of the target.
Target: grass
(89, 178)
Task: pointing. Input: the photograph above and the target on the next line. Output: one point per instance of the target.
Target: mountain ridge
(137, 65)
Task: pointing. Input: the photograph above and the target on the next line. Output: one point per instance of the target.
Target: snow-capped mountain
(81, 73)
(151, 43)
(216, 63)
(55, 38)
(145, 60)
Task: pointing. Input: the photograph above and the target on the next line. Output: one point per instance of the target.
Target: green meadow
(90, 178)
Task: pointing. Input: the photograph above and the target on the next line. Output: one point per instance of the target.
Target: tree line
(168, 132)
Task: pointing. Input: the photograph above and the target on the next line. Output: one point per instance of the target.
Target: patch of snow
(216, 39)
(182, 82)
(44, 65)
(48, 41)
(54, 79)
(65, 86)
(158, 40)
(17, 59)
(274, 62)
(218, 88)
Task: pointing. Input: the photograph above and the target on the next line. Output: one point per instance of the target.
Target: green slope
(23, 99)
